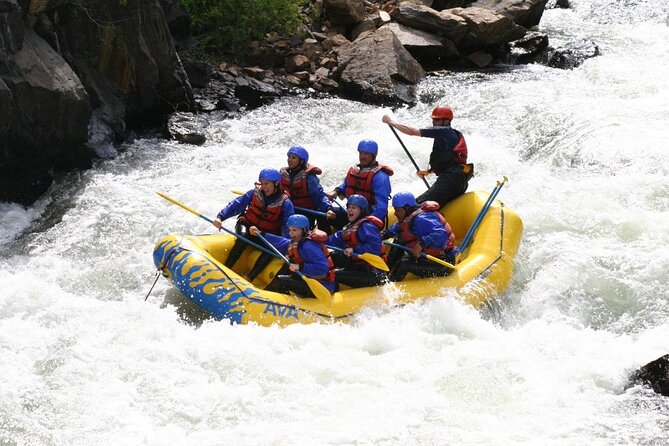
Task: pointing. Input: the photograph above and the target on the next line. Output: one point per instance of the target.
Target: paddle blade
(183, 206)
(321, 293)
(439, 261)
(374, 260)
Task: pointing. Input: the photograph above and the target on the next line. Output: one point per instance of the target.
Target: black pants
(354, 274)
(340, 220)
(394, 255)
(449, 186)
(359, 278)
(323, 223)
(284, 283)
(238, 249)
(418, 266)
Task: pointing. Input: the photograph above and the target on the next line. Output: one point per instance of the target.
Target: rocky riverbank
(76, 76)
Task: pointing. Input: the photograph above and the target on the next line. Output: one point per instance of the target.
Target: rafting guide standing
(448, 159)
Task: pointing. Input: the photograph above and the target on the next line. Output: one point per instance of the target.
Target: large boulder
(50, 112)
(132, 58)
(655, 375)
(419, 16)
(430, 50)
(344, 12)
(486, 28)
(526, 13)
(569, 55)
(67, 68)
(527, 49)
(11, 28)
(378, 69)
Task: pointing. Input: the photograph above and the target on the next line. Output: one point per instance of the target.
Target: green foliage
(227, 26)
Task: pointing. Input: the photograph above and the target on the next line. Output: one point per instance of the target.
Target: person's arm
(369, 239)
(381, 188)
(235, 207)
(338, 191)
(316, 193)
(287, 209)
(391, 231)
(279, 242)
(430, 231)
(315, 263)
(406, 129)
(337, 240)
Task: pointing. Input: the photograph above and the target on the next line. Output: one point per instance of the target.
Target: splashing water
(86, 361)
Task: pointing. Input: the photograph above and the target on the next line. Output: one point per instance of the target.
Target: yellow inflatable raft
(195, 265)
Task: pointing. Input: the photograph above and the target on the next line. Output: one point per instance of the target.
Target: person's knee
(398, 272)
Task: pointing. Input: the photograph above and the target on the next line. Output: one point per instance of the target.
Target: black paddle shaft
(409, 155)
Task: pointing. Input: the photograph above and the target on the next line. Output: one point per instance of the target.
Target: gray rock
(129, 68)
(378, 69)
(430, 50)
(481, 59)
(11, 30)
(569, 55)
(199, 73)
(486, 28)
(528, 48)
(55, 109)
(188, 128)
(253, 93)
(133, 57)
(526, 13)
(344, 12)
(655, 375)
(422, 17)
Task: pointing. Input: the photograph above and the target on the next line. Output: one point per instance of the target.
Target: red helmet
(442, 112)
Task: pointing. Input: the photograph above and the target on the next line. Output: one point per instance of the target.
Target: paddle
(374, 260)
(422, 254)
(479, 217)
(409, 155)
(321, 293)
(297, 208)
(193, 211)
(335, 201)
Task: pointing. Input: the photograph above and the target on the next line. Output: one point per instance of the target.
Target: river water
(86, 361)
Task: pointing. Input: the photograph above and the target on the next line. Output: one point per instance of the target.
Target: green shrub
(227, 26)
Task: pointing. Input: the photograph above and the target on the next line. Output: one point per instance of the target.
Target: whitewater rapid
(86, 361)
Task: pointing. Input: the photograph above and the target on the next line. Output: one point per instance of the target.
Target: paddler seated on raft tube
(361, 235)
(307, 253)
(369, 179)
(300, 181)
(267, 207)
(423, 229)
(448, 159)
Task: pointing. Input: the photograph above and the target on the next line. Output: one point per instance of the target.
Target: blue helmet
(367, 145)
(402, 199)
(269, 174)
(359, 201)
(298, 221)
(300, 152)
